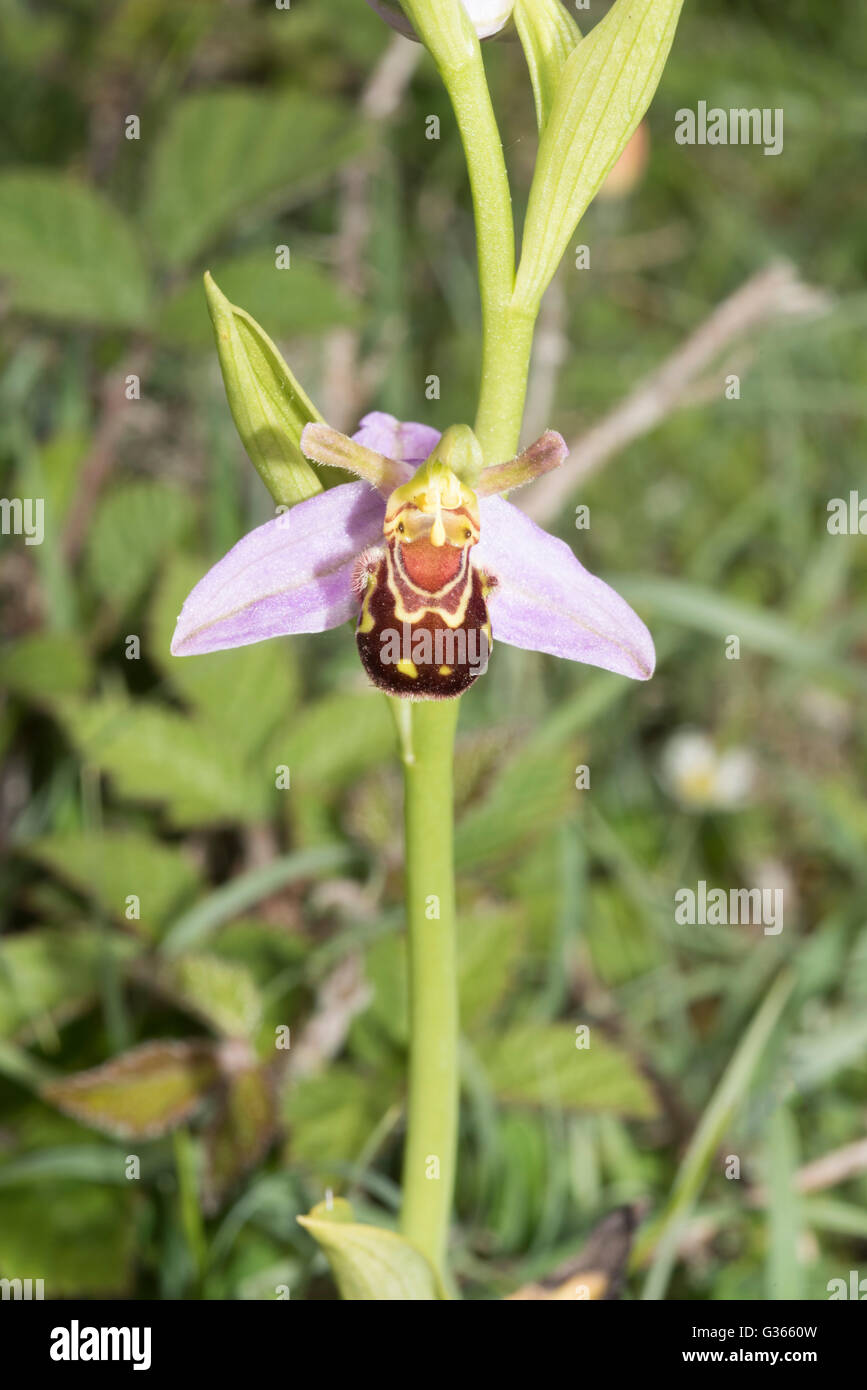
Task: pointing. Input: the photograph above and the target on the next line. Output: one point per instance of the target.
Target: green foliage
(269, 407)
(142, 1093)
(134, 528)
(152, 754)
(49, 976)
(67, 254)
(369, 1264)
(330, 1117)
(548, 34)
(542, 1064)
(223, 993)
(311, 300)
(603, 91)
(44, 664)
(222, 689)
(222, 155)
(82, 1236)
(240, 1132)
(108, 866)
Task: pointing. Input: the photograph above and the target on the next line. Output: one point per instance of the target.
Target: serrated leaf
(223, 687)
(605, 87)
(67, 254)
(142, 1093)
(133, 528)
(269, 407)
(46, 664)
(154, 754)
(222, 993)
(539, 1064)
(548, 34)
(301, 299)
(240, 1133)
(49, 976)
(110, 865)
(223, 154)
(370, 1264)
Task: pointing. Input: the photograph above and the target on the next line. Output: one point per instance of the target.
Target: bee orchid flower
(429, 559)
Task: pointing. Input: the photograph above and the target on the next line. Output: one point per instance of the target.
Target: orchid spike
(432, 571)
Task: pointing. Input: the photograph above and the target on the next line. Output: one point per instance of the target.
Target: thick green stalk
(427, 728)
(428, 736)
(507, 335)
(507, 342)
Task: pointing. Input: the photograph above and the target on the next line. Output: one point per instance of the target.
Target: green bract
(605, 88)
(269, 407)
(548, 34)
(369, 1263)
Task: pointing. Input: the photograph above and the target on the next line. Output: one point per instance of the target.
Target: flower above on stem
(426, 556)
(488, 17)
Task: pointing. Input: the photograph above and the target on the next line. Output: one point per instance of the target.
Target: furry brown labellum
(424, 631)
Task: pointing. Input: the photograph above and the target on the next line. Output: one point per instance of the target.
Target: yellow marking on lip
(366, 621)
(408, 668)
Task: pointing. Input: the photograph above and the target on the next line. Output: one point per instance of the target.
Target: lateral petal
(294, 574)
(545, 600)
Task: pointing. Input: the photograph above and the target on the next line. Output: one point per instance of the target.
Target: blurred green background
(159, 888)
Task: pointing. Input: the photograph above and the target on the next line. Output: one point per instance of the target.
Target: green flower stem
(508, 341)
(507, 333)
(427, 728)
(432, 1122)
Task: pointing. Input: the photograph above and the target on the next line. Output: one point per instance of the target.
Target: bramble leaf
(68, 254)
(140, 1094)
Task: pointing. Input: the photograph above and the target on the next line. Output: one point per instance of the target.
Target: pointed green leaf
(269, 407)
(605, 87)
(548, 34)
(141, 1094)
(370, 1264)
(65, 253)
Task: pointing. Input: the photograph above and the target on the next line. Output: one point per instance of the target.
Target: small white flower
(488, 16)
(702, 777)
